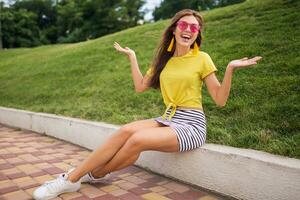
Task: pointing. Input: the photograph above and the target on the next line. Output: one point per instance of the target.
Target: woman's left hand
(244, 62)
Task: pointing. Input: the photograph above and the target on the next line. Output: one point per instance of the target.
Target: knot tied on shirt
(173, 108)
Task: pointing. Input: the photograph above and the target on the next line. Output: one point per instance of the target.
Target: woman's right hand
(127, 51)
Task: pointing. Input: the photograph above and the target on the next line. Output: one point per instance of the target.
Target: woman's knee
(126, 130)
(136, 142)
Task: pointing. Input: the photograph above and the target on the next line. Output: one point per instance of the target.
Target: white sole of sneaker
(48, 198)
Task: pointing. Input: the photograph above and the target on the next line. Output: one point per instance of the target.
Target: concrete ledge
(239, 173)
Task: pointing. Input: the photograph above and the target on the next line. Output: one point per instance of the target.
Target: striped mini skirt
(189, 126)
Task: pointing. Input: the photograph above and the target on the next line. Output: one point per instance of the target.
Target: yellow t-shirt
(182, 77)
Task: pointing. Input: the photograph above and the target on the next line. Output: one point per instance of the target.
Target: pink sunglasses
(182, 25)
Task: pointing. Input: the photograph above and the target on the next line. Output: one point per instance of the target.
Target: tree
(1, 6)
(19, 29)
(80, 20)
(168, 8)
(63, 21)
(46, 17)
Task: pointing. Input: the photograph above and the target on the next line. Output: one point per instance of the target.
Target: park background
(79, 74)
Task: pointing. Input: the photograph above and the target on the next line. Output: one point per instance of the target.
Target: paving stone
(176, 187)
(165, 192)
(29, 150)
(10, 171)
(30, 190)
(2, 161)
(154, 196)
(53, 170)
(192, 194)
(7, 186)
(109, 188)
(28, 168)
(117, 182)
(16, 175)
(14, 150)
(156, 179)
(2, 177)
(71, 195)
(118, 192)
(139, 190)
(28, 159)
(35, 174)
(43, 165)
(127, 185)
(43, 179)
(25, 182)
(91, 191)
(5, 156)
(62, 166)
(15, 161)
(208, 198)
(163, 182)
(17, 195)
(147, 185)
(5, 190)
(130, 196)
(188, 195)
(147, 176)
(124, 175)
(176, 196)
(6, 166)
(81, 198)
(157, 189)
(106, 197)
(134, 179)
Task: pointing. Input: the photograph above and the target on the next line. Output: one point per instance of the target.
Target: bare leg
(160, 139)
(106, 152)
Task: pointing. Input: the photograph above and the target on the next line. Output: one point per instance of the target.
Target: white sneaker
(52, 189)
(89, 178)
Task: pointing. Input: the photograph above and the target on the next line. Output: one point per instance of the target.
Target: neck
(180, 51)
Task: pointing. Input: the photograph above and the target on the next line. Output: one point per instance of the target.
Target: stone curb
(238, 173)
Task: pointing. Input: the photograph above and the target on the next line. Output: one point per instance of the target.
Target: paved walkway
(28, 159)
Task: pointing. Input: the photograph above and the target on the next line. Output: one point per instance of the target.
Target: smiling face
(185, 35)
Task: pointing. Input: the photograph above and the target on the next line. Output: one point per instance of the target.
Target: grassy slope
(90, 80)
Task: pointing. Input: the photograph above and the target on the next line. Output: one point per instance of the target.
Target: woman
(179, 69)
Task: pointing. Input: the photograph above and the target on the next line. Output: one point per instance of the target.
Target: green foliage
(19, 28)
(169, 8)
(68, 20)
(90, 80)
(75, 35)
(42, 8)
(91, 19)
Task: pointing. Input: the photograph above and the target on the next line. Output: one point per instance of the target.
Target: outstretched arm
(141, 83)
(220, 92)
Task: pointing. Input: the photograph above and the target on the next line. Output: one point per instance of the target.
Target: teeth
(186, 36)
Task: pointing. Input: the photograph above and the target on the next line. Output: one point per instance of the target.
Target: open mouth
(185, 37)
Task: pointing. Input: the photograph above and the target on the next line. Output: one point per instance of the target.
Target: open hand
(127, 51)
(244, 62)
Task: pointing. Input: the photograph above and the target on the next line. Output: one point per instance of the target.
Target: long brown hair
(162, 55)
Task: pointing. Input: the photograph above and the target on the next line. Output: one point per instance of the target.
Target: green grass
(90, 80)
